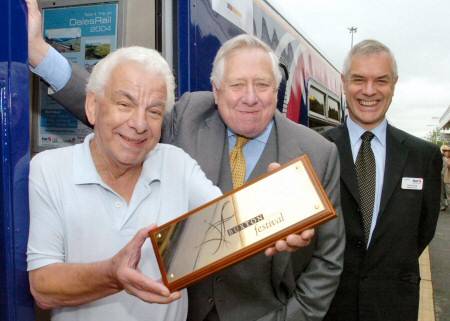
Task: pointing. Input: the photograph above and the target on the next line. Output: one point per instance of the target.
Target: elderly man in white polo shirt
(88, 201)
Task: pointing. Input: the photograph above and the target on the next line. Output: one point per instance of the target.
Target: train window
(316, 101)
(333, 109)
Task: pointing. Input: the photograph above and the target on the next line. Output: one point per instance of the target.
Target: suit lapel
(348, 174)
(396, 156)
(287, 144)
(210, 144)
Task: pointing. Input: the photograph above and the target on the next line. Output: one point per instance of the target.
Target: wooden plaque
(241, 223)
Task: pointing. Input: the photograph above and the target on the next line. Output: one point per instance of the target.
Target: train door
(15, 301)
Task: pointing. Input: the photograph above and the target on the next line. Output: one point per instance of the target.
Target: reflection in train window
(333, 109)
(316, 101)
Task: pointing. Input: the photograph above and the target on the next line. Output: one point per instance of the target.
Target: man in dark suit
(390, 214)
(245, 78)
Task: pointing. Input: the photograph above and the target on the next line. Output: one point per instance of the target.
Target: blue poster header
(91, 20)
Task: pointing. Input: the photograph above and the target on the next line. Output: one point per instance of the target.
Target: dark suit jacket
(382, 282)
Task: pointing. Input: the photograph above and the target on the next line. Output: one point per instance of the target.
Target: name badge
(413, 183)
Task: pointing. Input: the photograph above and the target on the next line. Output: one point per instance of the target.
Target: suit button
(359, 244)
(211, 301)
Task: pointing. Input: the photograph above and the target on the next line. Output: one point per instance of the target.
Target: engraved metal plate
(240, 223)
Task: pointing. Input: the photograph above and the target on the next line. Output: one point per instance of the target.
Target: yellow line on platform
(426, 304)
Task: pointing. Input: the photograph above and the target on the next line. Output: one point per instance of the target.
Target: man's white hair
(366, 48)
(150, 59)
(243, 41)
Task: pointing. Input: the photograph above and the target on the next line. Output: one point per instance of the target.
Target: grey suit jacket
(302, 283)
(297, 286)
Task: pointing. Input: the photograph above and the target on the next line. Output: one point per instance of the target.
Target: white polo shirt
(76, 218)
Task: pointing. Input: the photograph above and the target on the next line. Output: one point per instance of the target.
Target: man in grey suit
(287, 286)
(295, 286)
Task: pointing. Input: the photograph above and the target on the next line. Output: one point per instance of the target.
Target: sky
(417, 32)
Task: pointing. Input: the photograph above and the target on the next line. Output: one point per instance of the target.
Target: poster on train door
(83, 35)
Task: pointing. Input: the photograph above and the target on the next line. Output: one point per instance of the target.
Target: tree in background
(436, 137)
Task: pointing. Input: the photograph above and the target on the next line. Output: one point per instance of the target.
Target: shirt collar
(263, 137)
(85, 172)
(355, 131)
(153, 163)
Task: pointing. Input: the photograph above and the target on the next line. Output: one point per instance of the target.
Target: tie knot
(367, 136)
(241, 141)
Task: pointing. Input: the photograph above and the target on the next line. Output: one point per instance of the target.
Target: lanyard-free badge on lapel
(413, 183)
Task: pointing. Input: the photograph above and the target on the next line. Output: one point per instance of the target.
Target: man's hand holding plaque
(291, 243)
(287, 202)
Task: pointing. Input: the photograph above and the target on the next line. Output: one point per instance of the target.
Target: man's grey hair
(243, 41)
(369, 47)
(150, 59)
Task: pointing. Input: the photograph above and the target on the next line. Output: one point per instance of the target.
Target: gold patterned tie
(237, 161)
